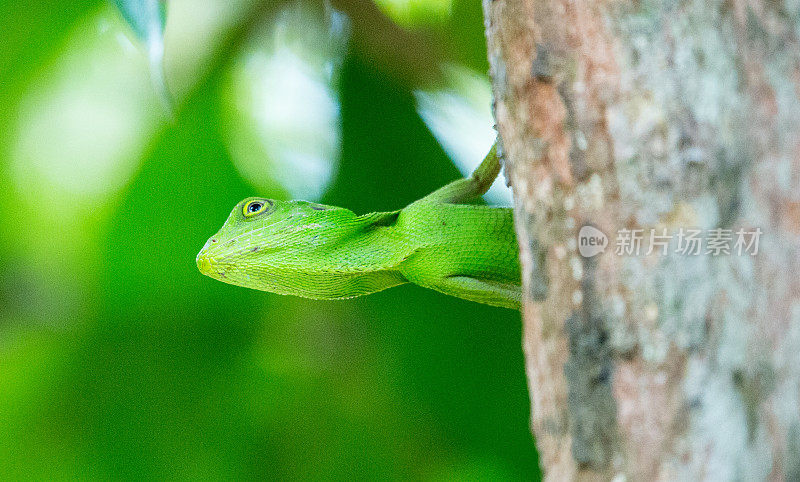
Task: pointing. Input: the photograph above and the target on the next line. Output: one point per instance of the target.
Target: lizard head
(264, 239)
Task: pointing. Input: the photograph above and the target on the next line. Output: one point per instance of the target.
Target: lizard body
(326, 252)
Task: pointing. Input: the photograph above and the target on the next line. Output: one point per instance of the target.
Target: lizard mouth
(214, 261)
(210, 266)
(204, 263)
(208, 263)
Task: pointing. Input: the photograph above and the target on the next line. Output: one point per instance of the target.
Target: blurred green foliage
(119, 360)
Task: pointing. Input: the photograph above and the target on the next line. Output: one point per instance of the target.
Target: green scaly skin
(325, 252)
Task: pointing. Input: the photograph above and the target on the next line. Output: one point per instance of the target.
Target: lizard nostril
(213, 240)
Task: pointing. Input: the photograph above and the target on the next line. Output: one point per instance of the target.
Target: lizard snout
(203, 262)
(203, 259)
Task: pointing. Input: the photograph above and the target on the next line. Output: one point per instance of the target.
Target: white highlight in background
(283, 128)
(460, 117)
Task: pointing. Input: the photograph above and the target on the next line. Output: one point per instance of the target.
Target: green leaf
(147, 18)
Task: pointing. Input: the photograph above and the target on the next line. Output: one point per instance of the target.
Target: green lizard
(326, 252)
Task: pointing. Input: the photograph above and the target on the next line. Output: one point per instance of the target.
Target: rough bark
(665, 115)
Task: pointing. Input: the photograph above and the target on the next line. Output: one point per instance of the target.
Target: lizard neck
(372, 243)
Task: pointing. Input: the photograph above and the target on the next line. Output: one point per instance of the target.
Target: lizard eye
(254, 207)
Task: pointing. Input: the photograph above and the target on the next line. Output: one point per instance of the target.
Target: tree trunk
(670, 116)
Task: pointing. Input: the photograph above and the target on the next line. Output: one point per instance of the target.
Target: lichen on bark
(663, 116)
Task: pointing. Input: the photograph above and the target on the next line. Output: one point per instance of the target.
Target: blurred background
(122, 151)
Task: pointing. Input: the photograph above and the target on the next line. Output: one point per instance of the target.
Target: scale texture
(325, 252)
